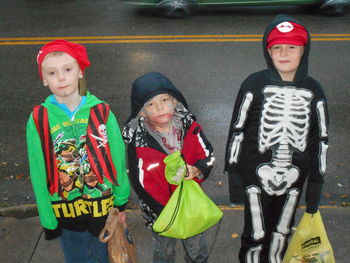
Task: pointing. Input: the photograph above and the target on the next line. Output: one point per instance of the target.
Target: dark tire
(175, 8)
(333, 7)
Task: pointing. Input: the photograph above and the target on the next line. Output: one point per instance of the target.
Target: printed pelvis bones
(283, 128)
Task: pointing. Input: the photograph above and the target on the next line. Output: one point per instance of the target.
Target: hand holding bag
(121, 246)
(310, 243)
(189, 210)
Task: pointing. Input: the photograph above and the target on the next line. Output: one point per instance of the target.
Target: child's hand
(122, 217)
(192, 172)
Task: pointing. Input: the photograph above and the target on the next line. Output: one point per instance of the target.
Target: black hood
(148, 86)
(303, 66)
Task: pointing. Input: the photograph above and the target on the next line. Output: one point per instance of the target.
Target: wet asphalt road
(208, 73)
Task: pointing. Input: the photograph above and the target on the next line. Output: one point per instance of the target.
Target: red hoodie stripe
(40, 117)
(97, 149)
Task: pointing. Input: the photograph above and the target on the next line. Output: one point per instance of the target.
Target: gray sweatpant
(164, 249)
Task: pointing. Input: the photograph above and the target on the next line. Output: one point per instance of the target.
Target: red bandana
(78, 52)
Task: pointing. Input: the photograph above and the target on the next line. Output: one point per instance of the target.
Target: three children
(277, 141)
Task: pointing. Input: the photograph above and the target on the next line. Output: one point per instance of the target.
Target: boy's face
(160, 110)
(286, 59)
(61, 74)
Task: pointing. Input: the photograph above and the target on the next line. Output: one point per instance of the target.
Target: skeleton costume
(277, 141)
(147, 149)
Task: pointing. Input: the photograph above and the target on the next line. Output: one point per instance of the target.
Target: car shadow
(255, 10)
(238, 11)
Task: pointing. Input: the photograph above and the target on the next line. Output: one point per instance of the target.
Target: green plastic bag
(189, 210)
(310, 243)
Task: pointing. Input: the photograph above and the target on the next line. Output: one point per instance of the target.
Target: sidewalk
(21, 239)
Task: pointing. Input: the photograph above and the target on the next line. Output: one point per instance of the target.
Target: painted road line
(133, 37)
(160, 39)
(164, 36)
(241, 207)
(136, 41)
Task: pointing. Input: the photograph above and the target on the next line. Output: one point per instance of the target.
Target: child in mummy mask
(277, 141)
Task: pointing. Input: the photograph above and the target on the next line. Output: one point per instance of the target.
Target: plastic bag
(121, 245)
(310, 243)
(189, 210)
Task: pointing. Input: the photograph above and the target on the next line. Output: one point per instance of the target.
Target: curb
(31, 210)
(20, 211)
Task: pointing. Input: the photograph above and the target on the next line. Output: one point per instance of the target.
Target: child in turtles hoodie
(76, 160)
(277, 141)
(147, 148)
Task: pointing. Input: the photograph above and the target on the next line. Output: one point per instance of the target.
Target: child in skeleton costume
(159, 125)
(76, 156)
(277, 141)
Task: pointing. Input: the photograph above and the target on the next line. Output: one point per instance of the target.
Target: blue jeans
(82, 247)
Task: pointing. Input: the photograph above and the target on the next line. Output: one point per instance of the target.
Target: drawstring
(36, 245)
(211, 248)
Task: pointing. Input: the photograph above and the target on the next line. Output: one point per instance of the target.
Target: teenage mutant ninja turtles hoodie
(278, 135)
(146, 151)
(80, 202)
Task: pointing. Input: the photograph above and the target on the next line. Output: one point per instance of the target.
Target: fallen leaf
(326, 195)
(220, 183)
(234, 235)
(345, 204)
(7, 177)
(333, 202)
(20, 176)
(344, 196)
(16, 164)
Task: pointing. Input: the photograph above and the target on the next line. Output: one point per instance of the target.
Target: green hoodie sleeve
(38, 176)
(117, 147)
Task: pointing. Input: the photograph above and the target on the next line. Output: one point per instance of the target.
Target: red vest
(99, 157)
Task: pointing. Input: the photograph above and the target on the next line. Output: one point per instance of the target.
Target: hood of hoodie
(149, 85)
(90, 101)
(304, 62)
(143, 89)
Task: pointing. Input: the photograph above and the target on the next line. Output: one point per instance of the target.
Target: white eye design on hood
(285, 27)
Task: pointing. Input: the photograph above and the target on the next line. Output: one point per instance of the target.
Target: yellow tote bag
(310, 243)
